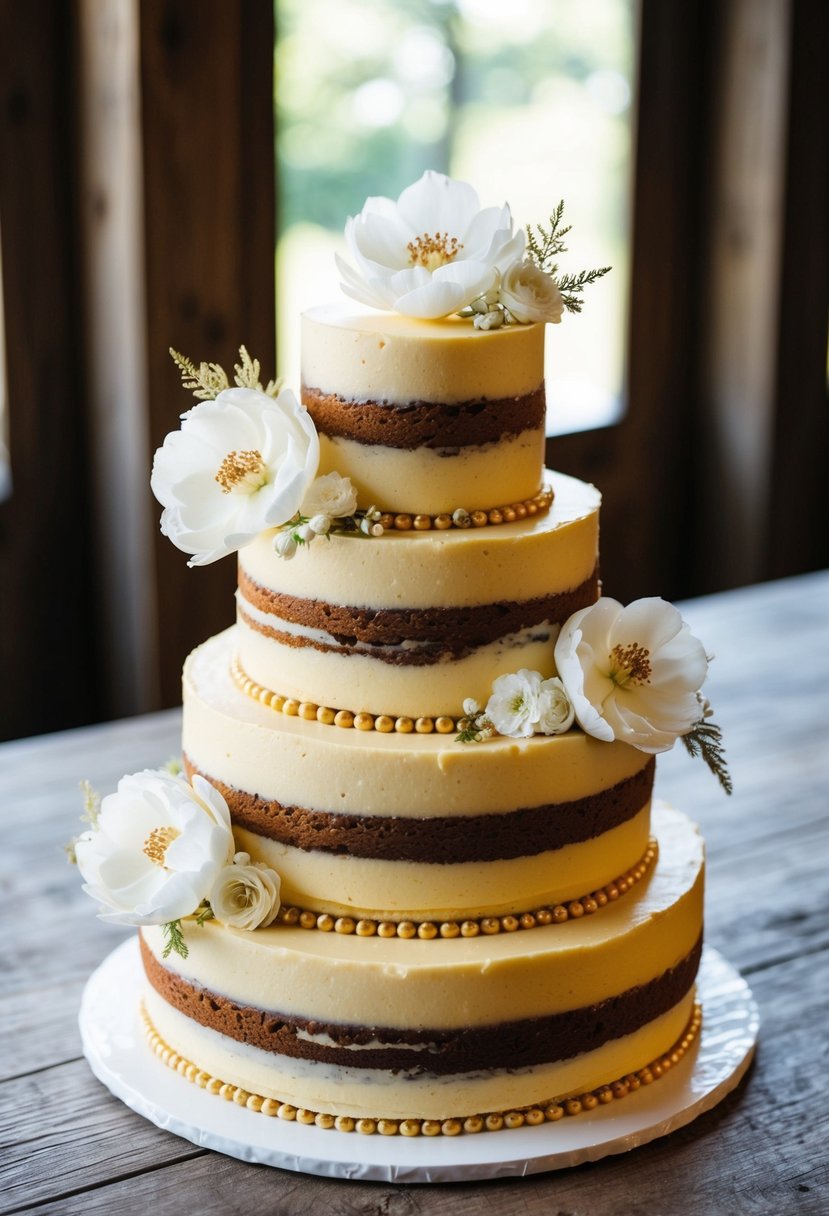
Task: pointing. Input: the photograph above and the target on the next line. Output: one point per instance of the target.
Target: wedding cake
(411, 879)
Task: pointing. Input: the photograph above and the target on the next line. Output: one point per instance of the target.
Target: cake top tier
(363, 355)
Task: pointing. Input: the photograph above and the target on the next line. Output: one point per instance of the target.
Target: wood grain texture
(44, 523)
(207, 87)
(69, 1147)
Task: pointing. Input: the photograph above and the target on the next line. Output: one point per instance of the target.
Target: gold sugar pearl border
(529, 1116)
(345, 718)
(428, 930)
(404, 521)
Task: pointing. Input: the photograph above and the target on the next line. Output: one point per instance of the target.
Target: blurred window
(530, 101)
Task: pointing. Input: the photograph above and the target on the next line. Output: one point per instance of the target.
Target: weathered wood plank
(63, 1132)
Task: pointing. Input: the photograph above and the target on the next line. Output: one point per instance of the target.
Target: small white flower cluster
(630, 673)
(329, 506)
(525, 704)
(162, 849)
(524, 293)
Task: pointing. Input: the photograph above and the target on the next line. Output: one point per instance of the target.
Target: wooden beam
(47, 597)
(207, 83)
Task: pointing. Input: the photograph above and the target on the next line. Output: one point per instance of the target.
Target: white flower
(284, 544)
(238, 465)
(320, 525)
(555, 709)
(530, 294)
(525, 703)
(429, 254)
(157, 847)
(245, 895)
(632, 673)
(493, 319)
(330, 495)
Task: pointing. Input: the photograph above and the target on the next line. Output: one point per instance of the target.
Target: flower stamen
(242, 471)
(630, 665)
(433, 251)
(158, 842)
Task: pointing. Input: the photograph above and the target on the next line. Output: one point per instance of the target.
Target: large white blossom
(156, 850)
(429, 254)
(240, 464)
(524, 704)
(530, 294)
(633, 673)
(245, 895)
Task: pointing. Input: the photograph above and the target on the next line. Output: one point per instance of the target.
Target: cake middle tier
(411, 624)
(414, 826)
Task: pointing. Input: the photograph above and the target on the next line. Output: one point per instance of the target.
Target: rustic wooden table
(69, 1147)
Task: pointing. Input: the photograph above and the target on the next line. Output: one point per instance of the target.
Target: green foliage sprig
(544, 244)
(705, 739)
(209, 379)
(174, 939)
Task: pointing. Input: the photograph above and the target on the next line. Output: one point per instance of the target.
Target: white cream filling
(543, 631)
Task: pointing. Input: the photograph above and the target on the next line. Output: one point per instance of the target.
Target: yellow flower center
(243, 472)
(433, 251)
(158, 842)
(630, 665)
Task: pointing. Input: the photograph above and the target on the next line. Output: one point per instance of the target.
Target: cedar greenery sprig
(174, 939)
(209, 379)
(705, 739)
(544, 244)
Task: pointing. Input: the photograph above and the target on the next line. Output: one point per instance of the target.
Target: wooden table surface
(69, 1147)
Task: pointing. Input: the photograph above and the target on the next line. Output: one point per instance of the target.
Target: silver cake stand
(119, 1056)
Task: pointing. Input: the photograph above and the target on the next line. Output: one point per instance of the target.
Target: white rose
(555, 709)
(245, 895)
(530, 294)
(330, 495)
(632, 673)
(157, 848)
(429, 254)
(239, 465)
(513, 708)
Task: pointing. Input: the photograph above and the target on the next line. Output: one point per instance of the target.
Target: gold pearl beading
(512, 922)
(528, 1116)
(508, 513)
(346, 719)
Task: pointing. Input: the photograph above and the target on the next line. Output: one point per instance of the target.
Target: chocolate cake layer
(505, 1045)
(440, 839)
(452, 631)
(442, 427)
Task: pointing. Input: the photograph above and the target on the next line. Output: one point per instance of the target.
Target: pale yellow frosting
(373, 1093)
(539, 556)
(392, 360)
(424, 481)
(475, 982)
(362, 355)
(250, 747)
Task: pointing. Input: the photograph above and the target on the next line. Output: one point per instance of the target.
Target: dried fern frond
(205, 381)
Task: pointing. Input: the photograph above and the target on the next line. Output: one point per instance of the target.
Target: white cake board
(115, 1046)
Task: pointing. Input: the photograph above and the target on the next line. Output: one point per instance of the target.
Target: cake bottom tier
(385, 1028)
